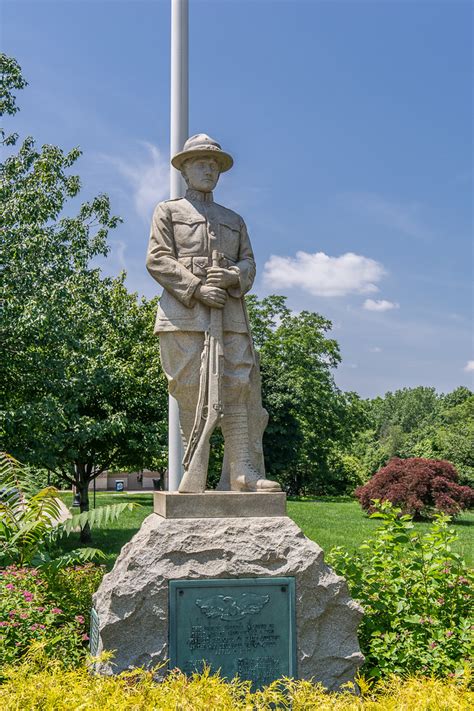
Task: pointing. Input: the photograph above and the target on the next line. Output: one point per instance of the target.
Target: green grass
(329, 523)
(342, 523)
(111, 539)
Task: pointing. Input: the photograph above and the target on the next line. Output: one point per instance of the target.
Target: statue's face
(201, 174)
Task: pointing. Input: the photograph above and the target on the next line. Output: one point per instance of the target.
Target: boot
(243, 475)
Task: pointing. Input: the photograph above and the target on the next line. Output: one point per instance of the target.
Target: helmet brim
(224, 160)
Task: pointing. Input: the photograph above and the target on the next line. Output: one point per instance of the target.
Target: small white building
(130, 481)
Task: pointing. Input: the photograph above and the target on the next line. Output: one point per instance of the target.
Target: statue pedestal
(219, 504)
(263, 602)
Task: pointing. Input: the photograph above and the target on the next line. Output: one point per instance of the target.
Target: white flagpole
(178, 135)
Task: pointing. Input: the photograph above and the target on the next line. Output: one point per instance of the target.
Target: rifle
(209, 410)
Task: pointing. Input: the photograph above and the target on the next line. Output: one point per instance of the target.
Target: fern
(79, 555)
(29, 520)
(97, 517)
(17, 482)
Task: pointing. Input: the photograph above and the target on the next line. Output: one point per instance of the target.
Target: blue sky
(351, 127)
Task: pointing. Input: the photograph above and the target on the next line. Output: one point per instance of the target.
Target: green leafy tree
(11, 80)
(107, 402)
(83, 389)
(418, 422)
(406, 409)
(309, 415)
(450, 437)
(283, 437)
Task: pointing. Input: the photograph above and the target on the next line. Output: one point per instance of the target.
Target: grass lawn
(342, 523)
(329, 523)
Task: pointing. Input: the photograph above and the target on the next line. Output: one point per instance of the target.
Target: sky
(350, 123)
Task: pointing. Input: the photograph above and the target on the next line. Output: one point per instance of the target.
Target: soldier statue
(200, 253)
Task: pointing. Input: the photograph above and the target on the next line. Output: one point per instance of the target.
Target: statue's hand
(211, 296)
(223, 278)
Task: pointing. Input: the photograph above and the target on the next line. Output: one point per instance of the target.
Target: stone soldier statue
(185, 233)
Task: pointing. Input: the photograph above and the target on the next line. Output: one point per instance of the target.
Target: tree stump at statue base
(249, 595)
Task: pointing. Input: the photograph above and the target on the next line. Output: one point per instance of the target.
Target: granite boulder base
(133, 600)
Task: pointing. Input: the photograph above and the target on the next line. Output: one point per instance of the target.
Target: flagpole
(178, 135)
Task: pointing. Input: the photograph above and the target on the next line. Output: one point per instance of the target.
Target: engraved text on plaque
(243, 626)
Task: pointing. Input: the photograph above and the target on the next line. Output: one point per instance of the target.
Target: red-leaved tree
(418, 486)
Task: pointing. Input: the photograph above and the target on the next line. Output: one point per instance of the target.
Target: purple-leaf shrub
(418, 486)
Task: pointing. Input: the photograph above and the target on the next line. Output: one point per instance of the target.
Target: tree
(406, 409)
(283, 437)
(83, 384)
(105, 404)
(11, 79)
(419, 422)
(309, 415)
(451, 436)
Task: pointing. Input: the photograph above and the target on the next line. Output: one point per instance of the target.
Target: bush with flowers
(51, 610)
(417, 595)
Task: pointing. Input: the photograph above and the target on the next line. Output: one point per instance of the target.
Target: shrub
(35, 685)
(418, 486)
(53, 611)
(417, 597)
(72, 588)
(345, 472)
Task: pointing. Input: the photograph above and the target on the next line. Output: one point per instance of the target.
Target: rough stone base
(132, 601)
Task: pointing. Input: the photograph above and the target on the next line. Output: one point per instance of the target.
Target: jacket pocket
(200, 266)
(171, 310)
(196, 265)
(229, 239)
(189, 233)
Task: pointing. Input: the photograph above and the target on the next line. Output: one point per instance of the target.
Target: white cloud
(404, 218)
(469, 367)
(380, 305)
(147, 175)
(118, 251)
(322, 275)
(375, 349)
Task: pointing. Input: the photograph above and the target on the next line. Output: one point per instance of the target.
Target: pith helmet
(202, 145)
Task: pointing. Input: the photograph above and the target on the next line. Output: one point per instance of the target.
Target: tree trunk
(296, 481)
(82, 483)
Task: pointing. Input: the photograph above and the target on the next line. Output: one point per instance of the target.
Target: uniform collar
(198, 196)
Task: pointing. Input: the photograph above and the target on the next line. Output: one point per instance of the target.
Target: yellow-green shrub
(37, 683)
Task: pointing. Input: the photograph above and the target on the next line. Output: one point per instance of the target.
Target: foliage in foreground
(418, 486)
(49, 609)
(34, 685)
(30, 526)
(417, 596)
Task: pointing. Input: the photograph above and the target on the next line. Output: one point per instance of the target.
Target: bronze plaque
(243, 627)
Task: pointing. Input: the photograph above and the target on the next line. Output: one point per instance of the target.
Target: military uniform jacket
(184, 232)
